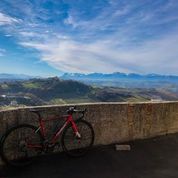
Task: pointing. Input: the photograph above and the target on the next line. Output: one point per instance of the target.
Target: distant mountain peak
(115, 75)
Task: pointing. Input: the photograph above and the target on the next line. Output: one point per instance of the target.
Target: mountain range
(123, 80)
(115, 75)
(117, 79)
(118, 75)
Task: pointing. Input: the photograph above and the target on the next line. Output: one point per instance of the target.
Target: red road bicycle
(22, 143)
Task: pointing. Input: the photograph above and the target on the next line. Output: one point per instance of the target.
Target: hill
(44, 90)
(56, 91)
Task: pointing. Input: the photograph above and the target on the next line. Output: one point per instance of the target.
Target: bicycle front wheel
(20, 145)
(75, 146)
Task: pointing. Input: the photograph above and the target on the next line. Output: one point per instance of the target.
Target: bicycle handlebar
(72, 110)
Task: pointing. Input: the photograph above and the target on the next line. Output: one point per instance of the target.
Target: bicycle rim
(15, 149)
(75, 146)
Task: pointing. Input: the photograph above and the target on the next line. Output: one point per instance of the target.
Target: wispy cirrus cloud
(7, 20)
(103, 36)
(105, 56)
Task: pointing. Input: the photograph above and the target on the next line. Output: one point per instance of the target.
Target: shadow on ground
(152, 158)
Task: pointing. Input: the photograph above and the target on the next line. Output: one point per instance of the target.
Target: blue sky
(50, 37)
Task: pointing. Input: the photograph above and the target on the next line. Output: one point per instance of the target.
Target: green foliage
(30, 85)
(4, 86)
(57, 101)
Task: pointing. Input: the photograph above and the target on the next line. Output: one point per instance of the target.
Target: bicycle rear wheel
(75, 146)
(20, 145)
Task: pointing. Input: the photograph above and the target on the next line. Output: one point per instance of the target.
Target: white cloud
(70, 21)
(119, 50)
(7, 20)
(120, 37)
(107, 17)
(157, 56)
(28, 34)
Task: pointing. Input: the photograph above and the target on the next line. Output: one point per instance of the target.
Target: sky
(52, 37)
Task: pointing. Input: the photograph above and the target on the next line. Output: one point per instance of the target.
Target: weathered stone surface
(112, 122)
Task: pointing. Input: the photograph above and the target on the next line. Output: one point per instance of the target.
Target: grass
(136, 99)
(71, 100)
(4, 86)
(11, 107)
(79, 100)
(30, 85)
(58, 101)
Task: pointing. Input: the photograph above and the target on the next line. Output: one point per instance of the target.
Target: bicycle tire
(69, 135)
(7, 154)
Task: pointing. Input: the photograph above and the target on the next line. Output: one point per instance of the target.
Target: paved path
(152, 158)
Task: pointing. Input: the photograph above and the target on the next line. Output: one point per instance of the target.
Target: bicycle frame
(41, 128)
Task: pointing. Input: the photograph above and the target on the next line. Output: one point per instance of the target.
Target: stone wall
(112, 122)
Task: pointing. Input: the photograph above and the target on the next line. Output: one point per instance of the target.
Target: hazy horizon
(70, 74)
